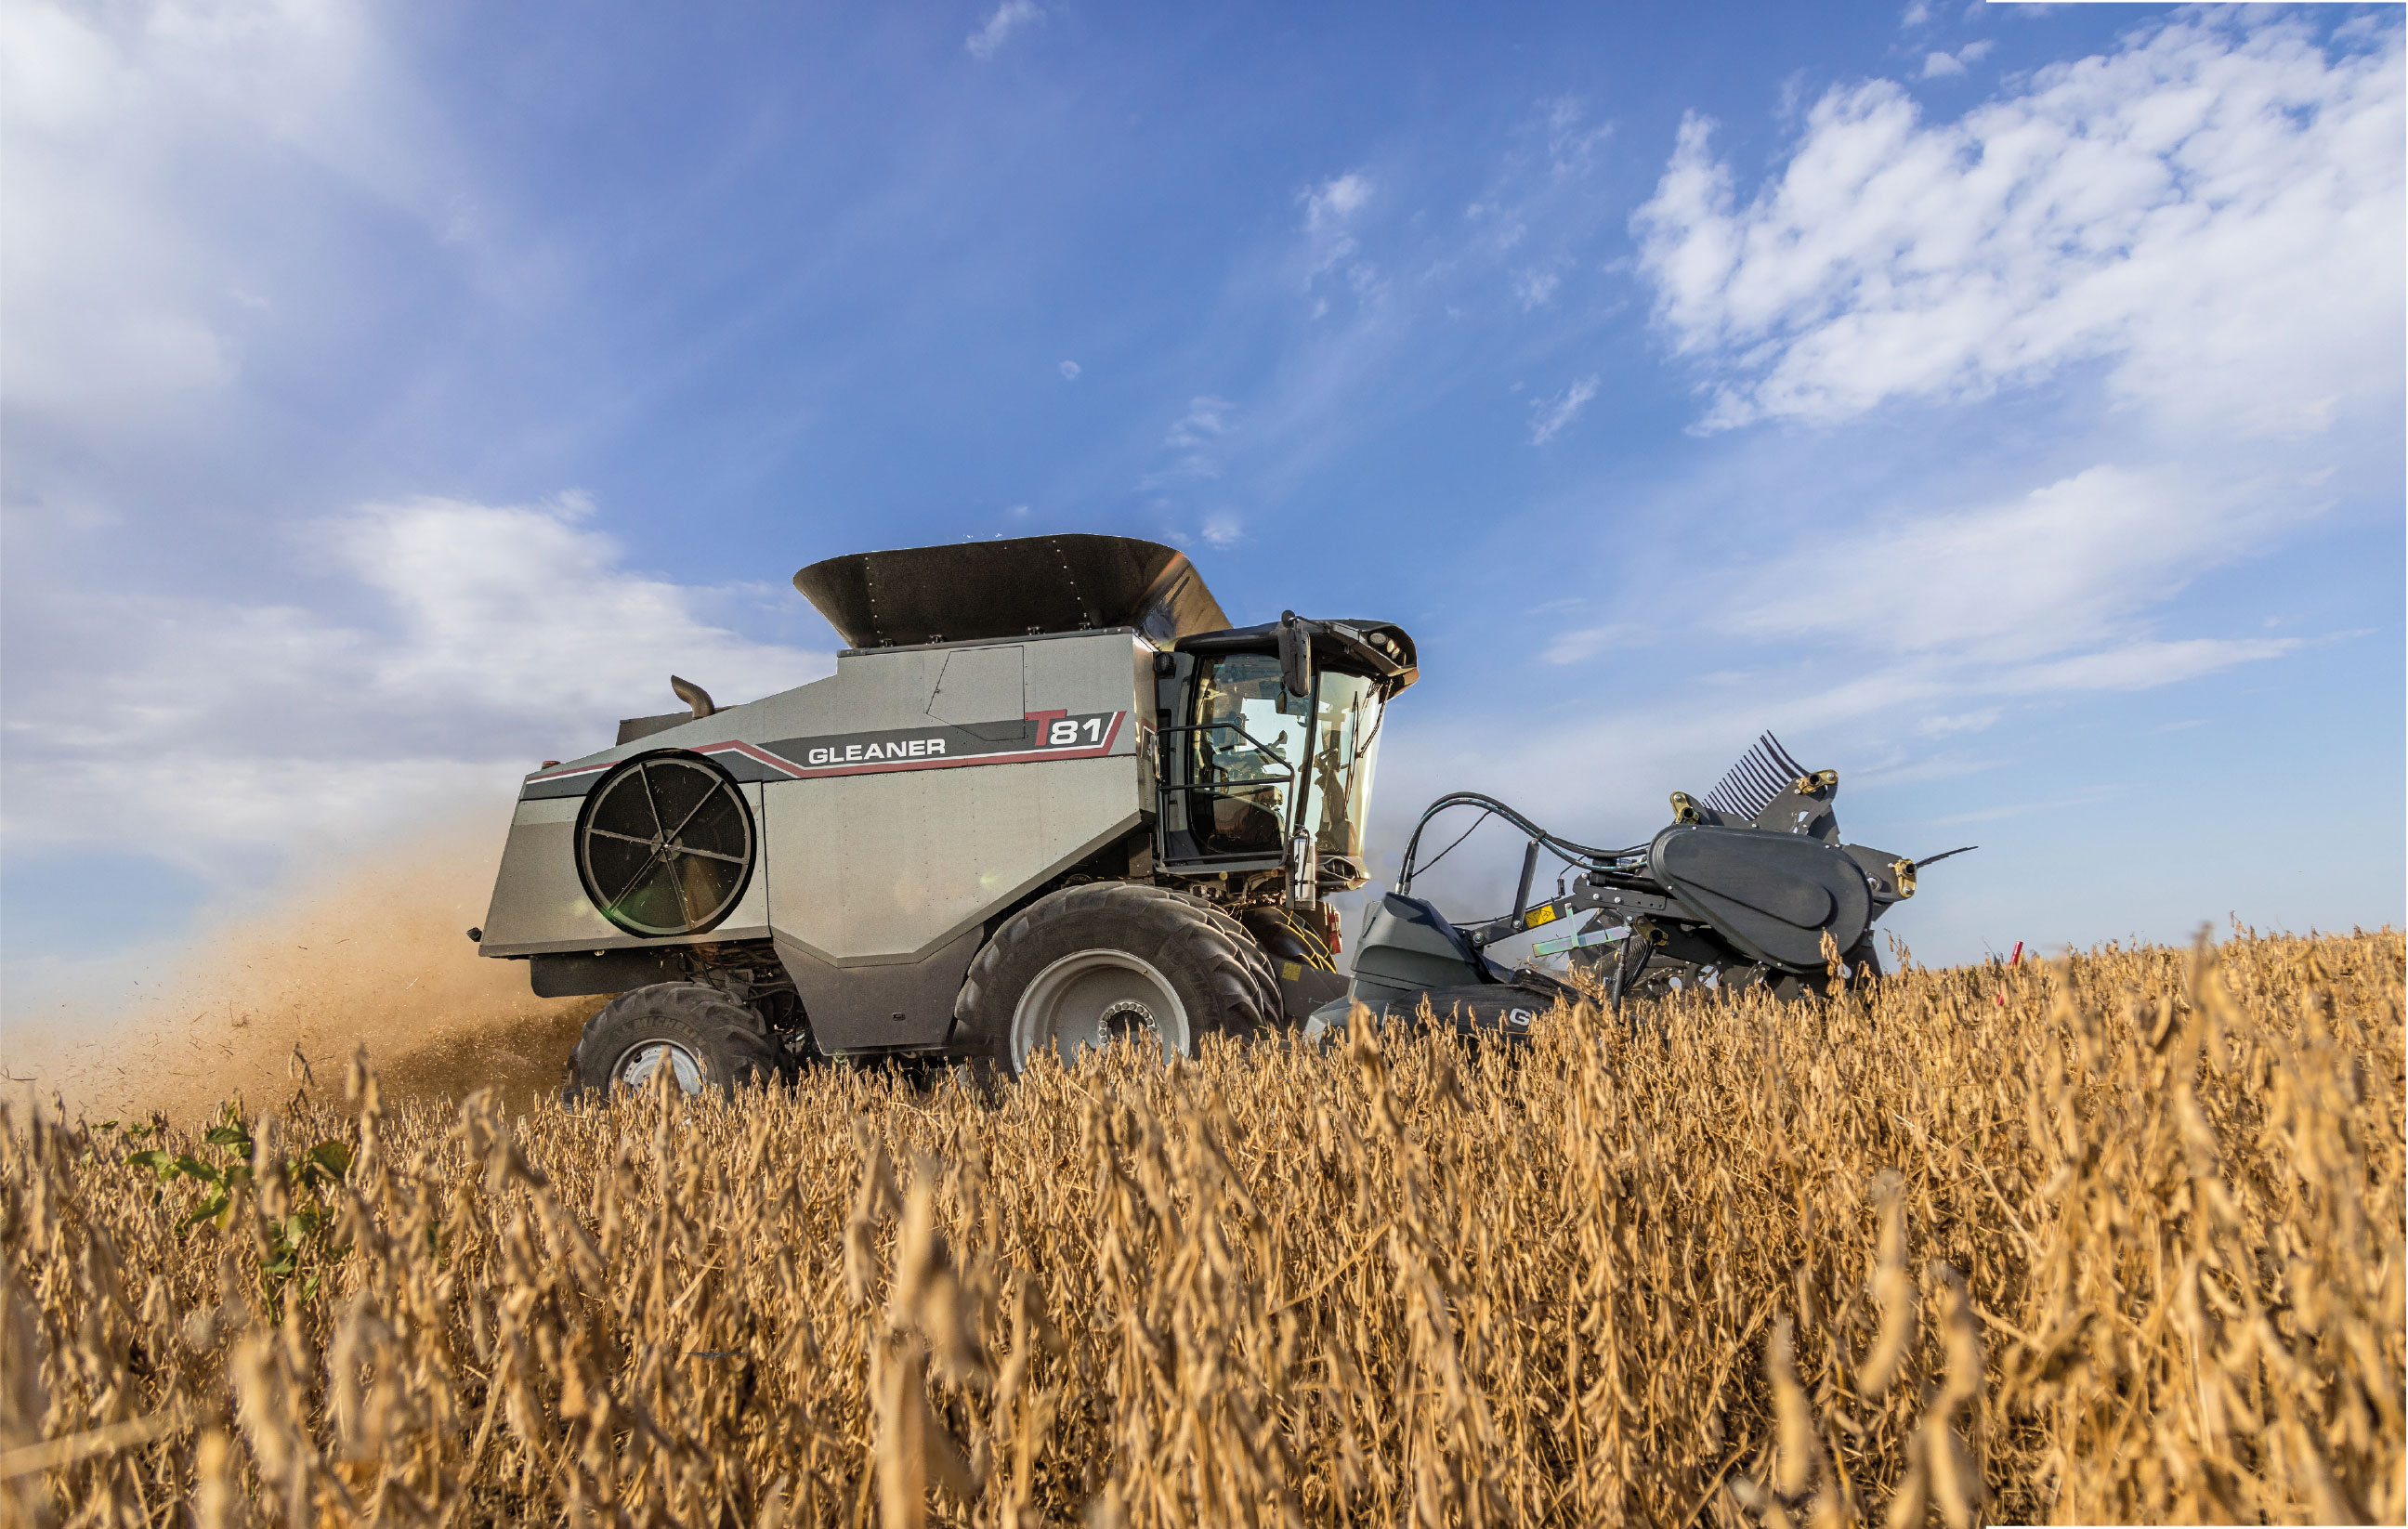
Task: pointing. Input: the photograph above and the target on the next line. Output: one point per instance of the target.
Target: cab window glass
(1251, 738)
(1346, 737)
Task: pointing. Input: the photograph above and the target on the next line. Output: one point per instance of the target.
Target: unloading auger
(1749, 886)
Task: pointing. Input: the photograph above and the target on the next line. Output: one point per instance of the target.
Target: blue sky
(2002, 404)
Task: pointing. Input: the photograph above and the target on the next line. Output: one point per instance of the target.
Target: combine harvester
(1052, 796)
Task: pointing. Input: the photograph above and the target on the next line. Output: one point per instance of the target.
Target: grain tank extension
(1049, 796)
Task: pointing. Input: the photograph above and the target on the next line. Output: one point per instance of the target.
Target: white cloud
(480, 640)
(2213, 212)
(1555, 413)
(1069, 370)
(1012, 16)
(1224, 530)
(1336, 200)
(1935, 65)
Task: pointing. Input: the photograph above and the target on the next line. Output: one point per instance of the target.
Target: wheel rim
(640, 1062)
(1092, 997)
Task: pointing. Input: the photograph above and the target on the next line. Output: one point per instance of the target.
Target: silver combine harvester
(1052, 796)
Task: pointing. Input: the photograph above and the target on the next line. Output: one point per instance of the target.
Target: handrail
(1260, 748)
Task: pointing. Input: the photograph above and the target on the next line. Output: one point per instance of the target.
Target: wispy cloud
(1535, 289)
(1224, 530)
(1916, 769)
(2080, 797)
(2069, 565)
(1331, 243)
(1967, 721)
(1010, 17)
(1584, 643)
(1069, 370)
(1200, 438)
(2146, 665)
(1557, 412)
(1205, 422)
(1573, 139)
(1330, 204)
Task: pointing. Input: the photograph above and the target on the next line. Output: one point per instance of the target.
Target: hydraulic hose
(1585, 856)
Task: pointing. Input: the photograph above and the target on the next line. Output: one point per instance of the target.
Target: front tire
(1092, 964)
(704, 1039)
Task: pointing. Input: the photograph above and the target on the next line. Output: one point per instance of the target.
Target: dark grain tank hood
(986, 590)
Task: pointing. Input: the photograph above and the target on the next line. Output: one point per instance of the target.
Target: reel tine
(1756, 780)
(1767, 786)
(1731, 794)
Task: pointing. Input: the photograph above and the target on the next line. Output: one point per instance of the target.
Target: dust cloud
(372, 953)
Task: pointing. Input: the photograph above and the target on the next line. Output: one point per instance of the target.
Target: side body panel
(878, 868)
(899, 805)
(539, 905)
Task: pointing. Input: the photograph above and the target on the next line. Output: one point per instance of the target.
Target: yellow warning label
(1290, 971)
(1543, 913)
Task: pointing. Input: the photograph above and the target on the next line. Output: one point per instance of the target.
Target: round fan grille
(664, 844)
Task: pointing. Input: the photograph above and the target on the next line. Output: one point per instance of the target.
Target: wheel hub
(640, 1063)
(1090, 999)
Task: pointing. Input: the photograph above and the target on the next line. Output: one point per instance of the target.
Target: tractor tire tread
(729, 1040)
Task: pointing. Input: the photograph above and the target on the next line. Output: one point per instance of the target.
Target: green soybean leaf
(332, 1156)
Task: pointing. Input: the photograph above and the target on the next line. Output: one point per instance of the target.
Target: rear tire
(1090, 964)
(708, 1041)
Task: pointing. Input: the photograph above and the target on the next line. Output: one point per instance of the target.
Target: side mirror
(1295, 654)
